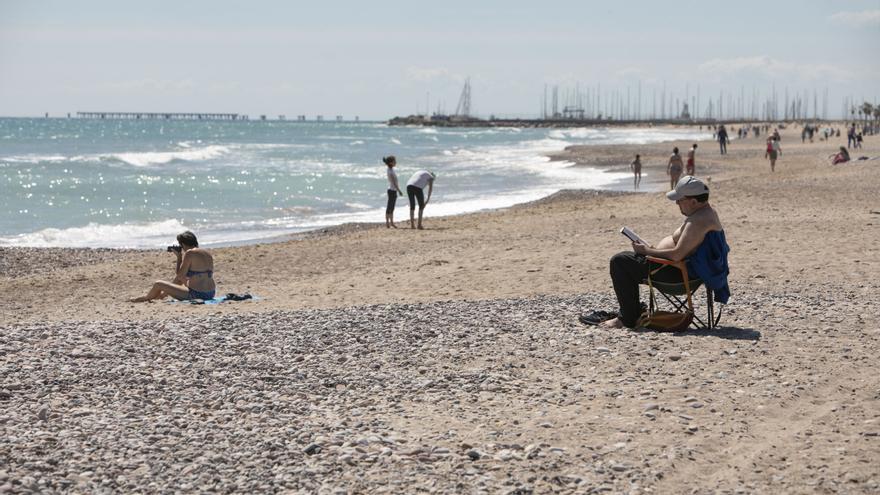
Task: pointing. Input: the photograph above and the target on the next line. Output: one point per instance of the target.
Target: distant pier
(160, 116)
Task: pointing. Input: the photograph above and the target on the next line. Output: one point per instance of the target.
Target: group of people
(415, 191)
(194, 270)
(194, 267)
(853, 138)
(674, 167)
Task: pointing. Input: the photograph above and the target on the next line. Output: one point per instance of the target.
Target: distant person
(773, 151)
(859, 140)
(842, 156)
(636, 167)
(851, 136)
(722, 139)
(674, 168)
(393, 190)
(194, 273)
(700, 240)
(415, 191)
(691, 162)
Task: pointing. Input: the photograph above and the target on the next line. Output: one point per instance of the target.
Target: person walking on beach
(773, 151)
(701, 224)
(194, 273)
(691, 160)
(851, 136)
(393, 190)
(636, 167)
(415, 191)
(674, 168)
(722, 139)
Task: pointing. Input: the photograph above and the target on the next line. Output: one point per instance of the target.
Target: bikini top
(191, 273)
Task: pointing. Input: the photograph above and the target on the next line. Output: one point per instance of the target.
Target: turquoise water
(104, 183)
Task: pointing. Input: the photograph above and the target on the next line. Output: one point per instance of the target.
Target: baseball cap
(687, 186)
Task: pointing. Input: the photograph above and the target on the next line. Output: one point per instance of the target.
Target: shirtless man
(629, 268)
(636, 168)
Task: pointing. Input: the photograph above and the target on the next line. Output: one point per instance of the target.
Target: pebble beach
(451, 360)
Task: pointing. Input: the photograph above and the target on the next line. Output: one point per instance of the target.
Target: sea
(138, 183)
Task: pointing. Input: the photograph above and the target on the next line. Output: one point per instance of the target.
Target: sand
(451, 359)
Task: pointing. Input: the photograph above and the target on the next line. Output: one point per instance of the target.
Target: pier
(160, 116)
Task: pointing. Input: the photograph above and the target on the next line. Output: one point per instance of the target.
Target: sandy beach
(451, 360)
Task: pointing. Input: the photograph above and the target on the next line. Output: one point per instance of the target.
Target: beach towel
(230, 297)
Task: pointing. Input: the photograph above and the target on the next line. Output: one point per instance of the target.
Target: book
(632, 236)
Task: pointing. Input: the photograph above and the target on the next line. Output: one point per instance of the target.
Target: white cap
(687, 186)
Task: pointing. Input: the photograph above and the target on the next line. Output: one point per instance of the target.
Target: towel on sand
(219, 299)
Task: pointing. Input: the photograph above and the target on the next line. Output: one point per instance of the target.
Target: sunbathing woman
(841, 157)
(195, 273)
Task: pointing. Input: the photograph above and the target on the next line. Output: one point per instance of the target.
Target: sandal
(597, 317)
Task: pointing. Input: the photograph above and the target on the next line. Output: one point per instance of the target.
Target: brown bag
(668, 321)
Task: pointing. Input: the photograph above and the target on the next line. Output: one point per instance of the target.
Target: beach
(452, 360)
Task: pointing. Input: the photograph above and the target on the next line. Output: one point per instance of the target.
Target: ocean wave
(127, 235)
(34, 159)
(152, 158)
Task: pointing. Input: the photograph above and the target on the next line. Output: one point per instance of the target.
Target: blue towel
(709, 262)
(216, 300)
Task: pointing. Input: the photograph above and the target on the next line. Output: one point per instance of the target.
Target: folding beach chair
(680, 296)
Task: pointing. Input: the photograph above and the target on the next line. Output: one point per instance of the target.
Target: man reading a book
(628, 268)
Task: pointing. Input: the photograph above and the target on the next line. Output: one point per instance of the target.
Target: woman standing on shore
(194, 277)
(393, 190)
(674, 168)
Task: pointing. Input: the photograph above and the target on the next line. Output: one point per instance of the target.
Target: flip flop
(596, 317)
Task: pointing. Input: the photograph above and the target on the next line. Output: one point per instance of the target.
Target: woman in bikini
(674, 168)
(194, 277)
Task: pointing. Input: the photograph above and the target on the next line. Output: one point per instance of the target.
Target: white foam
(33, 158)
(147, 159)
(127, 235)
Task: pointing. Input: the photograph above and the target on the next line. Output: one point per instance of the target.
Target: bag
(666, 321)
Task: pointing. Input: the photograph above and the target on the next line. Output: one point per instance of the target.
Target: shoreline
(622, 184)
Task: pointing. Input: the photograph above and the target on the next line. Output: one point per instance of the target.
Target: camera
(174, 248)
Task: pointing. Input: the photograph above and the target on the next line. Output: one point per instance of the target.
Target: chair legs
(680, 304)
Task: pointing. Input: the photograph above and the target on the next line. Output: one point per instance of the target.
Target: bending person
(194, 277)
(415, 191)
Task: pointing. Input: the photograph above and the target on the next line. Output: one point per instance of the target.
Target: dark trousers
(627, 270)
(415, 194)
(723, 145)
(392, 201)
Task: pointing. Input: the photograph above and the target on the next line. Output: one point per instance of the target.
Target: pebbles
(494, 396)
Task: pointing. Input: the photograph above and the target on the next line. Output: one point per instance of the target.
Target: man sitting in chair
(629, 268)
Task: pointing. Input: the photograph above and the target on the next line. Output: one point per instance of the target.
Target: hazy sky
(384, 58)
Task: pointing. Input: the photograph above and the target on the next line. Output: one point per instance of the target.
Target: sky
(381, 58)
